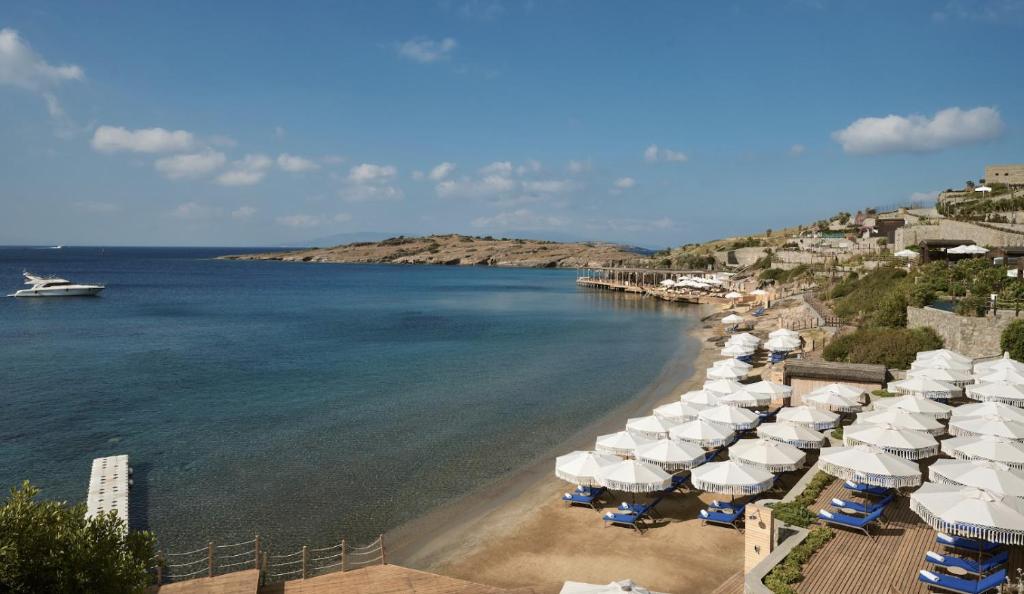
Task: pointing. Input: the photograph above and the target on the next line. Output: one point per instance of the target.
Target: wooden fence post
(343, 555)
(209, 559)
(383, 553)
(159, 568)
(256, 557)
(305, 560)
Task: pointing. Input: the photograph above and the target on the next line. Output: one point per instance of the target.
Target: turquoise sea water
(300, 401)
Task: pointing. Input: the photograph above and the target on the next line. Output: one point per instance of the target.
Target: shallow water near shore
(307, 402)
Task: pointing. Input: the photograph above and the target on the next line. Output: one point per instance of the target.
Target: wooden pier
(109, 484)
(646, 282)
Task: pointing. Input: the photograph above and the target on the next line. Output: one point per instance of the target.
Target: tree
(50, 546)
(1012, 340)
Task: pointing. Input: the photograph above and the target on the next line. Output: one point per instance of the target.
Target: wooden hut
(805, 376)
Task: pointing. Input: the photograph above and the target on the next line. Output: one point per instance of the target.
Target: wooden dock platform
(109, 484)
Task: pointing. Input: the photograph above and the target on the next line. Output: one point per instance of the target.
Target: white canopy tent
(732, 320)
(728, 373)
(832, 401)
(967, 249)
(908, 254)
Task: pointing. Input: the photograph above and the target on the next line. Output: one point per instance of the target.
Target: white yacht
(54, 287)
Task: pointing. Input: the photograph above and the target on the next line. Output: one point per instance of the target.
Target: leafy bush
(1012, 340)
(837, 433)
(790, 571)
(795, 512)
(784, 276)
(892, 347)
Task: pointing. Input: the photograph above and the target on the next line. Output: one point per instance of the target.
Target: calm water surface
(303, 402)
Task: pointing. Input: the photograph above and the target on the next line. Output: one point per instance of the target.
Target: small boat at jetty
(40, 286)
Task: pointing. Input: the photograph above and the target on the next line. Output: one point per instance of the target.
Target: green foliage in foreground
(49, 546)
(892, 347)
(1012, 340)
(784, 276)
(796, 512)
(790, 571)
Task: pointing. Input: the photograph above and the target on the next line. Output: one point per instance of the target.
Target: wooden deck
(238, 582)
(382, 579)
(733, 585)
(852, 563)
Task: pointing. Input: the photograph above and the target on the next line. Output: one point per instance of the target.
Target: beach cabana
(671, 455)
(634, 476)
(808, 416)
(989, 409)
(799, 436)
(996, 426)
(991, 476)
(1004, 392)
(1003, 363)
(702, 433)
(621, 443)
(915, 404)
(901, 420)
(651, 426)
(905, 443)
(767, 454)
(722, 387)
(583, 467)
(677, 412)
(731, 478)
(869, 465)
(700, 398)
(733, 417)
(746, 399)
(970, 513)
(986, 447)
(926, 387)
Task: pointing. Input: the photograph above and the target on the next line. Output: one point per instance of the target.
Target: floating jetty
(109, 484)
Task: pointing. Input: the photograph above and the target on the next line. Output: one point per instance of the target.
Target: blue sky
(656, 123)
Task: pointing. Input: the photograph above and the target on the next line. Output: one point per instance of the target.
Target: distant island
(462, 250)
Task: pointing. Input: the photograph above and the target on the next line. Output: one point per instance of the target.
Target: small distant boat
(41, 286)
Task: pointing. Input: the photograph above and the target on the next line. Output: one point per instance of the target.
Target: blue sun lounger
(968, 565)
(854, 522)
(869, 489)
(678, 482)
(624, 518)
(758, 312)
(587, 496)
(726, 516)
(949, 583)
(967, 544)
(642, 509)
(864, 508)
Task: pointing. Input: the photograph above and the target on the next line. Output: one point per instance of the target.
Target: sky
(654, 123)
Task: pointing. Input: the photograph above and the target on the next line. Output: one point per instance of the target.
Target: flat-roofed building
(1011, 175)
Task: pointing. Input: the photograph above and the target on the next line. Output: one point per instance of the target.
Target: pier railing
(213, 560)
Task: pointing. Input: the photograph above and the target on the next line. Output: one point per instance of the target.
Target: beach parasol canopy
(732, 364)
(651, 426)
(621, 443)
(925, 386)
(902, 420)
(767, 387)
(911, 254)
(970, 512)
(986, 447)
(985, 189)
(782, 344)
(1004, 362)
(905, 443)
(943, 354)
(731, 478)
(967, 249)
(869, 465)
(832, 401)
(808, 416)
(677, 412)
(738, 350)
(620, 587)
(700, 398)
(722, 387)
(733, 295)
(727, 373)
(1004, 392)
(1009, 376)
(634, 476)
(671, 455)
(915, 404)
(959, 377)
(737, 419)
(668, 283)
(990, 476)
(731, 320)
(582, 467)
(767, 454)
(941, 363)
(989, 409)
(702, 433)
(746, 399)
(744, 338)
(997, 426)
(759, 292)
(844, 390)
(795, 435)
(784, 332)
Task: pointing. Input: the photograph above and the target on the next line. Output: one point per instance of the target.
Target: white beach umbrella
(944, 354)
(989, 409)
(634, 476)
(732, 364)
(982, 189)
(700, 398)
(986, 447)
(583, 467)
(744, 338)
(732, 320)
(746, 399)
(733, 295)
(901, 420)
(667, 283)
(957, 377)
(808, 416)
(651, 426)
(845, 390)
(1000, 364)
(942, 363)
(795, 435)
(677, 412)
(622, 443)
(620, 587)
(832, 401)
(671, 455)
(915, 404)
(737, 419)
(702, 433)
(723, 387)
(869, 465)
(1008, 376)
(991, 476)
(782, 344)
(909, 254)
(1005, 392)
(759, 292)
(905, 443)
(976, 250)
(784, 332)
(767, 387)
(768, 454)
(732, 478)
(738, 350)
(726, 373)
(925, 386)
(970, 512)
(999, 427)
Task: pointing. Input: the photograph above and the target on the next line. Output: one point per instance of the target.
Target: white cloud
(917, 133)
(190, 165)
(222, 140)
(370, 172)
(797, 149)
(490, 185)
(342, 217)
(299, 221)
(624, 183)
(21, 66)
(296, 164)
(369, 181)
(243, 213)
(424, 50)
(497, 167)
(332, 159)
(247, 171)
(441, 171)
(676, 156)
(549, 186)
(194, 211)
(521, 219)
(653, 153)
(531, 166)
(97, 207)
(577, 167)
(110, 139)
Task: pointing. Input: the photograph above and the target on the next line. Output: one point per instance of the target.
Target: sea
(307, 402)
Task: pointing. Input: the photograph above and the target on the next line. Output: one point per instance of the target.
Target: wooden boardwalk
(238, 582)
(382, 579)
(852, 563)
(733, 585)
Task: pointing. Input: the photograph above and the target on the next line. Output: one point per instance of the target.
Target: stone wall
(974, 337)
(1005, 174)
(949, 229)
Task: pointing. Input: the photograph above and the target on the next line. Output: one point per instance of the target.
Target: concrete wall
(948, 229)
(974, 337)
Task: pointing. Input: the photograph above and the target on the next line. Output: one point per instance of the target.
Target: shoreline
(443, 536)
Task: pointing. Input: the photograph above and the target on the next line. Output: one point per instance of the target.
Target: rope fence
(213, 560)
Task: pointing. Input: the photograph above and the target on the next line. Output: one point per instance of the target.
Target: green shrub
(892, 347)
(790, 571)
(1012, 340)
(837, 433)
(795, 512)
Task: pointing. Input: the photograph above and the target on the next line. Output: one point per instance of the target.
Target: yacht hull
(59, 292)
